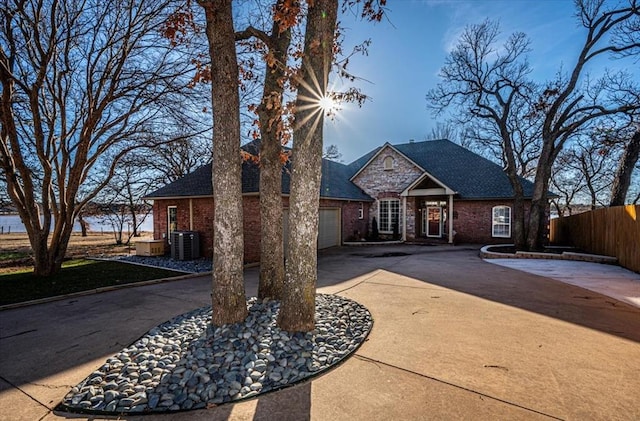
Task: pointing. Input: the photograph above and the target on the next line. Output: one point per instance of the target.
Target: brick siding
(202, 221)
(472, 221)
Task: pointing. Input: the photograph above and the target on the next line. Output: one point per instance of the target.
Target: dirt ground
(94, 245)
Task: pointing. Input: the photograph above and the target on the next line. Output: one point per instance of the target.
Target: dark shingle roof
(469, 174)
(196, 183)
(335, 182)
(357, 165)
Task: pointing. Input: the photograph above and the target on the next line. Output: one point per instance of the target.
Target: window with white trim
(501, 222)
(388, 215)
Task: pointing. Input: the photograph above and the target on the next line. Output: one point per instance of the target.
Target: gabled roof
(194, 184)
(335, 182)
(361, 162)
(373, 156)
(467, 173)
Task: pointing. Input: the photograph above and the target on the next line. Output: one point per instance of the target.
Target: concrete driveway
(454, 337)
(610, 280)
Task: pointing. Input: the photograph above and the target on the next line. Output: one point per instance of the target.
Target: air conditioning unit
(185, 245)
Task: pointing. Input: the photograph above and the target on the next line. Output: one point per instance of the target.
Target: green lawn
(13, 255)
(75, 276)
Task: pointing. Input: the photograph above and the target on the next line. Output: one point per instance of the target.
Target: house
(186, 205)
(433, 190)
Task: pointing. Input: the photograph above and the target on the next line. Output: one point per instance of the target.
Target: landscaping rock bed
(187, 266)
(186, 364)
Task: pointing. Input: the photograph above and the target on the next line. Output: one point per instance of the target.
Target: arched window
(501, 222)
(388, 163)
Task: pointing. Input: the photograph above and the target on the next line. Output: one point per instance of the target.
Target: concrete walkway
(610, 280)
(454, 337)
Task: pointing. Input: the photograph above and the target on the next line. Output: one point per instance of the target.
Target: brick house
(419, 190)
(437, 190)
(186, 205)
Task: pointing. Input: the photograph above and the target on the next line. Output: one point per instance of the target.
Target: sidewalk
(454, 337)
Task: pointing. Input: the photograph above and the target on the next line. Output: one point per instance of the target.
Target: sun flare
(327, 104)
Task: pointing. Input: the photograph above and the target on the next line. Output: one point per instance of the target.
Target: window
(172, 220)
(501, 221)
(388, 163)
(389, 215)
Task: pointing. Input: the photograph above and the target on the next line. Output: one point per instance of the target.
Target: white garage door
(328, 229)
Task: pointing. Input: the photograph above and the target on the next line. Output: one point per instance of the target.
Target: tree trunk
(48, 258)
(297, 310)
(228, 295)
(133, 212)
(622, 179)
(271, 131)
(536, 237)
(50, 146)
(516, 185)
(519, 233)
(271, 225)
(83, 225)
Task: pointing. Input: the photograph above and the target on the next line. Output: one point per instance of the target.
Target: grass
(76, 275)
(13, 256)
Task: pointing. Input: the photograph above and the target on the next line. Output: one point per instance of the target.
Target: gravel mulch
(187, 364)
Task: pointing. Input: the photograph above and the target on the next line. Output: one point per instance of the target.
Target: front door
(433, 222)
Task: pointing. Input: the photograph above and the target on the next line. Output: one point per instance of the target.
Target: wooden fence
(608, 231)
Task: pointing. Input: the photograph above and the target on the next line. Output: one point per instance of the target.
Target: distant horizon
(11, 223)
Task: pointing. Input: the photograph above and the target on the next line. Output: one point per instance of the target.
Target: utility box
(150, 248)
(185, 245)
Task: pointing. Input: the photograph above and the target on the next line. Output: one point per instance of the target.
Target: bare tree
(79, 80)
(168, 162)
(626, 164)
(120, 203)
(566, 105)
(450, 130)
(490, 86)
(588, 158)
(332, 153)
(634, 189)
(568, 183)
(583, 174)
(5, 200)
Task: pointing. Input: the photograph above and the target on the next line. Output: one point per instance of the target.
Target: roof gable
(379, 151)
(470, 175)
(457, 169)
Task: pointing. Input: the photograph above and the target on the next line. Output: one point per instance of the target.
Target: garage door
(328, 229)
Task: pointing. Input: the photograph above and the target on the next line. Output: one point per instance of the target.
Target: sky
(409, 48)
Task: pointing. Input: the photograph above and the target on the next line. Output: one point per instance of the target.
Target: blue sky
(408, 50)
